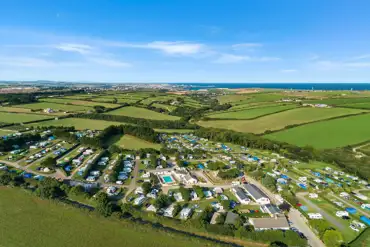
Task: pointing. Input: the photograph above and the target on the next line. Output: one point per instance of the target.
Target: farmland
(7, 117)
(72, 227)
(55, 106)
(137, 112)
(237, 99)
(78, 123)
(78, 102)
(132, 142)
(5, 132)
(165, 107)
(279, 120)
(328, 134)
(251, 113)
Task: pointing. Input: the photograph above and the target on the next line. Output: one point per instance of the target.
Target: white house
(178, 197)
(343, 194)
(169, 211)
(341, 213)
(139, 200)
(313, 195)
(185, 213)
(257, 194)
(139, 190)
(361, 196)
(241, 195)
(194, 196)
(151, 208)
(315, 216)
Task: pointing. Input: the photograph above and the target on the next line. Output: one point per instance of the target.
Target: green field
(365, 105)
(174, 130)
(279, 120)
(78, 123)
(237, 99)
(67, 101)
(365, 149)
(328, 134)
(7, 117)
(362, 240)
(165, 107)
(340, 101)
(5, 132)
(132, 142)
(137, 112)
(29, 221)
(15, 109)
(55, 106)
(251, 113)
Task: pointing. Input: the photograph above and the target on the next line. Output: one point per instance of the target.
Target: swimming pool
(167, 179)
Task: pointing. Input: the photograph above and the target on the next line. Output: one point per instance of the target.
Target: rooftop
(254, 191)
(278, 222)
(231, 218)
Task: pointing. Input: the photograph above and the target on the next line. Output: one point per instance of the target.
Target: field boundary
(267, 132)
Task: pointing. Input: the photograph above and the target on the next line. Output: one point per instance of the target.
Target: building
(316, 216)
(185, 213)
(139, 200)
(276, 223)
(270, 209)
(241, 195)
(313, 195)
(231, 218)
(341, 213)
(257, 194)
(169, 211)
(214, 218)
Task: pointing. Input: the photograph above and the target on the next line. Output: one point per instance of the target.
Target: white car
(353, 227)
(119, 182)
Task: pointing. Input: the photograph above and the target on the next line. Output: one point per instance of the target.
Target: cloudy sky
(185, 41)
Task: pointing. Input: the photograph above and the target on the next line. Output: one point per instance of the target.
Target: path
(327, 216)
(299, 222)
(132, 185)
(350, 205)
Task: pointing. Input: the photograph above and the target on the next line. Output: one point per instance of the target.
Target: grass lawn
(31, 221)
(55, 106)
(78, 102)
(14, 109)
(4, 132)
(328, 134)
(7, 117)
(78, 123)
(249, 98)
(132, 142)
(251, 113)
(137, 112)
(174, 130)
(365, 149)
(165, 107)
(362, 240)
(279, 120)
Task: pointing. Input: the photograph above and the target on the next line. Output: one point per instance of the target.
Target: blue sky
(185, 41)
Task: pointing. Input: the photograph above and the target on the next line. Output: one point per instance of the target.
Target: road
(327, 216)
(351, 205)
(299, 222)
(132, 185)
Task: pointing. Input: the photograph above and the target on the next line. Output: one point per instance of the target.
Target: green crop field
(362, 240)
(365, 149)
(4, 132)
(340, 101)
(237, 99)
(174, 130)
(328, 134)
(165, 107)
(132, 142)
(78, 102)
(149, 100)
(365, 105)
(54, 106)
(8, 117)
(14, 109)
(137, 112)
(29, 221)
(78, 123)
(251, 113)
(279, 120)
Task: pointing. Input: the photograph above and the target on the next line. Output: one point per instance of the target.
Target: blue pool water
(167, 179)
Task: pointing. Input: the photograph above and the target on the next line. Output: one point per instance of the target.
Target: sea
(293, 86)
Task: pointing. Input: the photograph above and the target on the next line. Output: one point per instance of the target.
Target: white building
(241, 195)
(139, 200)
(315, 216)
(341, 213)
(178, 197)
(185, 213)
(257, 194)
(169, 211)
(313, 195)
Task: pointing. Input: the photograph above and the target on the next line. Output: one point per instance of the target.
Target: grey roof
(254, 191)
(273, 209)
(266, 223)
(241, 193)
(231, 218)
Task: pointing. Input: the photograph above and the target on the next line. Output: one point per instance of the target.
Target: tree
(185, 193)
(225, 204)
(5, 179)
(216, 165)
(49, 188)
(77, 190)
(115, 100)
(147, 187)
(285, 206)
(199, 191)
(99, 108)
(115, 149)
(332, 238)
(104, 209)
(269, 182)
(220, 220)
(49, 162)
(162, 201)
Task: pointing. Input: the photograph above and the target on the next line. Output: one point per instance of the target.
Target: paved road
(16, 165)
(350, 205)
(327, 216)
(299, 222)
(132, 185)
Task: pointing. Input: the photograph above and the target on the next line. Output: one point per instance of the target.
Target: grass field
(78, 102)
(132, 142)
(54, 106)
(14, 109)
(251, 113)
(362, 240)
(28, 221)
(5, 132)
(7, 117)
(137, 112)
(279, 120)
(174, 130)
(237, 99)
(341, 101)
(365, 105)
(165, 107)
(365, 149)
(328, 134)
(78, 123)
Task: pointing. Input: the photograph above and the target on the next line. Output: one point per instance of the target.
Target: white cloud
(358, 65)
(288, 70)
(364, 56)
(79, 48)
(230, 58)
(33, 62)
